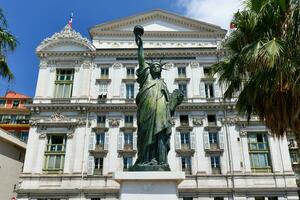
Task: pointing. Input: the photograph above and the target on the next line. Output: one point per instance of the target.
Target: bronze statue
(156, 106)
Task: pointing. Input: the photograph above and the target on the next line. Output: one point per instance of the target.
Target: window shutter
(193, 140)
(221, 140)
(217, 89)
(134, 141)
(177, 140)
(122, 90)
(106, 141)
(92, 141)
(136, 89)
(206, 140)
(91, 165)
(120, 141)
(202, 89)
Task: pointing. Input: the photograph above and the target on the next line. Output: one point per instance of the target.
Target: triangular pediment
(157, 20)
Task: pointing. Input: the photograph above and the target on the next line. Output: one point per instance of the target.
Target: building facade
(83, 125)
(14, 116)
(12, 154)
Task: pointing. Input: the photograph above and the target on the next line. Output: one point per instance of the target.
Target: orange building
(14, 116)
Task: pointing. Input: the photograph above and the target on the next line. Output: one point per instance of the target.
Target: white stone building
(84, 117)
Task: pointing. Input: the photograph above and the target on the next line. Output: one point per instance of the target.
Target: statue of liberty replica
(156, 106)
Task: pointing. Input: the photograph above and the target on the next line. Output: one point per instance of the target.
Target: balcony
(185, 150)
(214, 148)
(127, 150)
(60, 100)
(103, 79)
(98, 171)
(128, 127)
(100, 150)
(216, 170)
(187, 170)
(14, 121)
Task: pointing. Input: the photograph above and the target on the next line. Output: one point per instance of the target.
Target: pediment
(66, 40)
(157, 20)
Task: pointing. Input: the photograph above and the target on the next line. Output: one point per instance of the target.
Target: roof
(15, 95)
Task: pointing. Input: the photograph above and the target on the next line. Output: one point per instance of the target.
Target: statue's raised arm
(138, 32)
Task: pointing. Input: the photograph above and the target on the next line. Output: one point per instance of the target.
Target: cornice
(165, 52)
(122, 107)
(161, 34)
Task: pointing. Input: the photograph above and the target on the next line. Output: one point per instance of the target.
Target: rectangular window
(181, 72)
(184, 120)
(185, 140)
(186, 164)
(218, 198)
(24, 136)
(128, 141)
(129, 91)
(64, 83)
(187, 198)
(103, 89)
(101, 119)
(130, 72)
(95, 198)
(100, 138)
(213, 140)
(55, 153)
(128, 120)
(294, 157)
(2, 102)
(15, 103)
(211, 119)
(183, 88)
(215, 164)
(209, 90)
(206, 71)
(127, 163)
(259, 152)
(292, 143)
(104, 72)
(98, 166)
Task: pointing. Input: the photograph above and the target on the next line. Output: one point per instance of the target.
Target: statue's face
(155, 69)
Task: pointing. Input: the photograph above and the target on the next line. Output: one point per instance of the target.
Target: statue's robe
(153, 115)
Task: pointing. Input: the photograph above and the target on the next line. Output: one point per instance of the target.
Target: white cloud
(218, 12)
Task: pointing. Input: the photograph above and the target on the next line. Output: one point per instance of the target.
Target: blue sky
(33, 20)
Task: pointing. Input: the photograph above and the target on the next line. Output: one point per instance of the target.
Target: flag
(71, 20)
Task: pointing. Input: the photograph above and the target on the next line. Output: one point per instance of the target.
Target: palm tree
(262, 63)
(7, 43)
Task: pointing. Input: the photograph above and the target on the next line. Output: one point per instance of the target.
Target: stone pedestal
(149, 185)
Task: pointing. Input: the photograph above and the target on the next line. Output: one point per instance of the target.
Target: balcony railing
(98, 171)
(216, 170)
(128, 147)
(187, 170)
(258, 146)
(55, 147)
(14, 121)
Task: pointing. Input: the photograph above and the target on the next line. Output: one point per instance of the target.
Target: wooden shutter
(221, 140)
(177, 140)
(91, 165)
(122, 90)
(136, 89)
(202, 89)
(134, 141)
(120, 141)
(217, 89)
(206, 140)
(92, 141)
(106, 141)
(193, 140)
